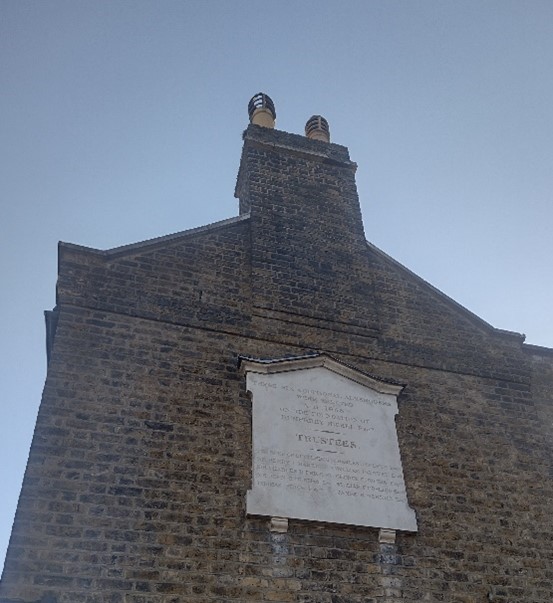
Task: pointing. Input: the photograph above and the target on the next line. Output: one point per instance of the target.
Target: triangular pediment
(296, 363)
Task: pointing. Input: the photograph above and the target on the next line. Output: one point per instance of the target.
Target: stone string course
(138, 471)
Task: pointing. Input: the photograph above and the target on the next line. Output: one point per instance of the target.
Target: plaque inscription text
(325, 448)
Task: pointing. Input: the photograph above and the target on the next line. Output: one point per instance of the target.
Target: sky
(121, 121)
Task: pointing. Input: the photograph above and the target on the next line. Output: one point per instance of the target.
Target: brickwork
(137, 477)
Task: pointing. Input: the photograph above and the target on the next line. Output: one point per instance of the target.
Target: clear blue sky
(122, 120)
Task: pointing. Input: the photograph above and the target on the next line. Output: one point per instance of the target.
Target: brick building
(135, 489)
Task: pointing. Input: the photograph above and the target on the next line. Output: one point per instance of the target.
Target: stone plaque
(325, 446)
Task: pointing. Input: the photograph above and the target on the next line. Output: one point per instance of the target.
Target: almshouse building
(270, 408)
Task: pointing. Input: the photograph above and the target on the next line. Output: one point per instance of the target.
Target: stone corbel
(279, 524)
(386, 536)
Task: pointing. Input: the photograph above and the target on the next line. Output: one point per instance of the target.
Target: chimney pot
(317, 128)
(261, 110)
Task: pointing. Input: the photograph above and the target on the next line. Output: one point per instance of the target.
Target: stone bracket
(386, 536)
(279, 524)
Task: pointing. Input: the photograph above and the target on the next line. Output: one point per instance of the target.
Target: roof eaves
(470, 315)
(537, 350)
(157, 241)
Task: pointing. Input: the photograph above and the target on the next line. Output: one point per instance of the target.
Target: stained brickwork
(141, 459)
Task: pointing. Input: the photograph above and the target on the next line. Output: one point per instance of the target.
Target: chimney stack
(317, 128)
(261, 110)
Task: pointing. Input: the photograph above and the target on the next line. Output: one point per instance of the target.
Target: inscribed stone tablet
(325, 446)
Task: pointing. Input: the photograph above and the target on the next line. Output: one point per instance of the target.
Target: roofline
(157, 241)
(540, 350)
(470, 315)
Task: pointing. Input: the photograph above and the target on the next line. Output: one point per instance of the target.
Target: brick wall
(136, 482)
